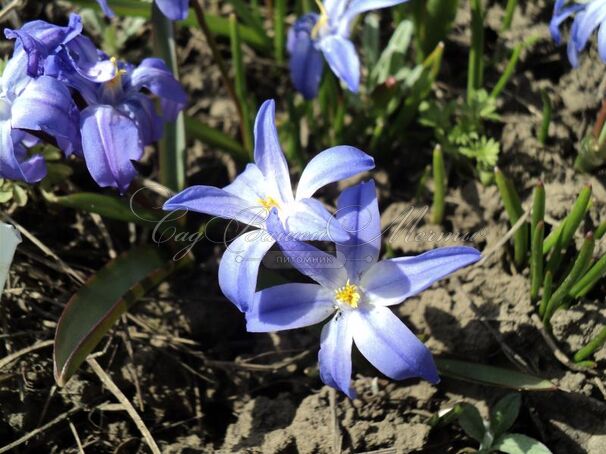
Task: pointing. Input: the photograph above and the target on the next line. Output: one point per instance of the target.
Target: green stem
(536, 261)
(279, 32)
(514, 210)
(547, 292)
(590, 279)
(439, 183)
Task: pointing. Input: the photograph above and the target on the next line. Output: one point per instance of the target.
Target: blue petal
(356, 7)
(174, 9)
(46, 105)
(335, 353)
(587, 21)
(385, 284)
(84, 57)
(216, 202)
(327, 270)
(335, 8)
(560, 14)
(602, 42)
(239, 268)
(250, 185)
(142, 110)
(268, 153)
(343, 60)
(14, 163)
(419, 272)
(306, 62)
(309, 220)
(154, 75)
(334, 164)
(110, 141)
(289, 306)
(390, 346)
(105, 7)
(358, 213)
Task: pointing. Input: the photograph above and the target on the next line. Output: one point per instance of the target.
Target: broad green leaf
(9, 239)
(519, 444)
(107, 206)
(109, 293)
(504, 413)
(218, 25)
(471, 422)
(393, 58)
(492, 376)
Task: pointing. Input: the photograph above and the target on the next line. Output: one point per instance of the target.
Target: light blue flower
(266, 185)
(356, 295)
(325, 36)
(589, 16)
(173, 9)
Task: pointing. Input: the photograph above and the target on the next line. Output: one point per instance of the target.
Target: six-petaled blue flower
(357, 295)
(589, 16)
(315, 37)
(173, 9)
(266, 185)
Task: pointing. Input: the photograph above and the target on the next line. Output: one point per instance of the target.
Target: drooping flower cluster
(589, 16)
(173, 9)
(112, 121)
(353, 286)
(325, 36)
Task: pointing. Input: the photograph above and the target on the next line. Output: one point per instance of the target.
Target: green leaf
(393, 57)
(215, 138)
(471, 422)
(218, 25)
(172, 145)
(492, 376)
(504, 413)
(520, 444)
(107, 206)
(94, 309)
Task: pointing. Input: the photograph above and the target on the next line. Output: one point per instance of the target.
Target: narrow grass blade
(475, 70)
(508, 72)
(514, 210)
(590, 279)
(9, 239)
(107, 206)
(580, 264)
(279, 31)
(172, 145)
(547, 113)
(508, 17)
(210, 136)
(600, 231)
(536, 261)
(240, 83)
(246, 15)
(571, 223)
(439, 182)
(538, 206)
(594, 345)
(547, 292)
(93, 310)
(492, 376)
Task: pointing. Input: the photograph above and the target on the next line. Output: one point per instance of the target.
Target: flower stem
(439, 183)
(509, 10)
(475, 71)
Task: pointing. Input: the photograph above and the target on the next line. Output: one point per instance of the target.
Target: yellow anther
(117, 80)
(322, 20)
(348, 294)
(269, 202)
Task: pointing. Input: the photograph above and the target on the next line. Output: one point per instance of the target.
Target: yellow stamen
(116, 82)
(269, 202)
(348, 294)
(322, 20)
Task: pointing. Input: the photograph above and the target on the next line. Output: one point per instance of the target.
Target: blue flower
(356, 295)
(121, 119)
(589, 16)
(32, 106)
(315, 37)
(266, 185)
(173, 9)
